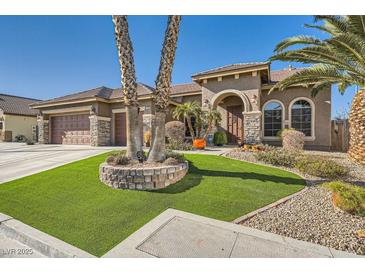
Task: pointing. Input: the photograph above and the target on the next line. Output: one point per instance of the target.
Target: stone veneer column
(43, 130)
(100, 130)
(252, 127)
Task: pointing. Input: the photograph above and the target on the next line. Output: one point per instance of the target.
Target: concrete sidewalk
(178, 234)
(18, 160)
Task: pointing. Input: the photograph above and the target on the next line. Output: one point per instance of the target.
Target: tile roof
(278, 75)
(184, 88)
(100, 92)
(230, 67)
(17, 105)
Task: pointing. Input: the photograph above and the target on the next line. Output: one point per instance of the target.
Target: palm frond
(315, 76)
(335, 24)
(357, 24)
(297, 40)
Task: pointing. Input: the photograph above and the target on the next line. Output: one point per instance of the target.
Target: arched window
(301, 116)
(273, 118)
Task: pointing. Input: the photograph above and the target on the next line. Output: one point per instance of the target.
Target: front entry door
(234, 124)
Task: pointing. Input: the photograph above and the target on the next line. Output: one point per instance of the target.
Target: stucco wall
(245, 82)
(19, 125)
(322, 113)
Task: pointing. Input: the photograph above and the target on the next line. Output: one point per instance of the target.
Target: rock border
(142, 178)
(274, 204)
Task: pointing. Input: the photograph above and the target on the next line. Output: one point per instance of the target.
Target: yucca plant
(338, 59)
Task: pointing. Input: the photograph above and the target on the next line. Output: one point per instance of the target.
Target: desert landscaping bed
(312, 217)
(356, 174)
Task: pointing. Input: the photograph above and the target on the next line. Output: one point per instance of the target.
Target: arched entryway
(232, 104)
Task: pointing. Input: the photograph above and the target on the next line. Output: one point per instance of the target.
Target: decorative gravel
(312, 217)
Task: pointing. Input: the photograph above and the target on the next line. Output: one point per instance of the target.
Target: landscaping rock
(312, 217)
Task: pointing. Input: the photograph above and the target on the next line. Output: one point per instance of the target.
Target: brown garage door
(70, 129)
(120, 129)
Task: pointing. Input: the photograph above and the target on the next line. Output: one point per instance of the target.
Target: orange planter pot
(199, 143)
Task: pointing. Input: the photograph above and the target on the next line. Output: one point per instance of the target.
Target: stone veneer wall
(43, 130)
(100, 131)
(252, 127)
(147, 178)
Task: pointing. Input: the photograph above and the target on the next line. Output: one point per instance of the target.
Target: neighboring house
(238, 91)
(16, 117)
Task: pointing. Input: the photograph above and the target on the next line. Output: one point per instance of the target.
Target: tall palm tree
(129, 84)
(187, 111)
(163, 88)
(338, 59)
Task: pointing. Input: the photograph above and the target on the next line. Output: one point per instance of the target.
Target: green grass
(70, 203)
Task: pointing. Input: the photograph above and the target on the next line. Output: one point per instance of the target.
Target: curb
(41, 242)
(269, 206)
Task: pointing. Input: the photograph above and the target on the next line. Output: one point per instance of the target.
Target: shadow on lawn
(195, 175)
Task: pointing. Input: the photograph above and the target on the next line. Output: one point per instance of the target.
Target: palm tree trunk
(191, 129)
(163, 88)
(357, 128)
(158, 142)
(129, 84)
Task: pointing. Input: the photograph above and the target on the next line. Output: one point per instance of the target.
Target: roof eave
(208, 75)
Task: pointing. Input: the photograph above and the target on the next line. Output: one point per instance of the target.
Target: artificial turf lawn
(70, 203)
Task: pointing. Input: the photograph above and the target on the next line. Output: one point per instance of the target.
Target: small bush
(20, 138)
(29, 142)
(179, 146)
(179, 157)
(171, 161)
(175, 131)
(220, 138)
(321, 167)
(348, 197)
(118, 158)
(277, 156)
(292, 139)
(147, 136)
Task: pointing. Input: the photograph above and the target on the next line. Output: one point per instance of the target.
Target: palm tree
(212, 117)
(338, 59)
(187, 111)
(129, 85)
(163, 88)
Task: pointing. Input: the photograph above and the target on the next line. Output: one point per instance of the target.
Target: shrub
(179, 157)
(321, 167)
(292, 139)
(175, 131)
(20, 138)
(118, 158)
(277, 156)
(147, 138)
(220, 138)
(179, 146)
(348, 197)
(171, 161)
(29, 142)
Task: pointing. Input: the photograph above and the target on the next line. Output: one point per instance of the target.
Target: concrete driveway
(18, 160)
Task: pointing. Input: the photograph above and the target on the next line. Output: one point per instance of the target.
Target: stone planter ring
(143, 178)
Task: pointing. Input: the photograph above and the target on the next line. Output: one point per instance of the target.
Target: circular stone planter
(142, 178)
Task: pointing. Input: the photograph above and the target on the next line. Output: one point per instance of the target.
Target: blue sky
(49, 56)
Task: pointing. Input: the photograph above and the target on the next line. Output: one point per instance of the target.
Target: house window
(1, 125)
(273, 118)
(301, 116)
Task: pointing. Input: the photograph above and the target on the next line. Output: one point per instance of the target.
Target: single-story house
(238, 91)
(17, 118)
